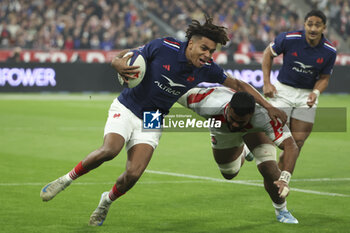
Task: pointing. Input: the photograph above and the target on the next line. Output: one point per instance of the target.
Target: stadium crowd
(338, 13)
(107, 24)
(73, 24)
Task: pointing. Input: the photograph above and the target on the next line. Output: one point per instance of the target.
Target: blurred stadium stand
(74, 26)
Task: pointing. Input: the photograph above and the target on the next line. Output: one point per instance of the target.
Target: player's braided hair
(242, 103)
(208, 29)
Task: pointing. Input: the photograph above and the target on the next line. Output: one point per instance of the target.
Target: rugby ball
(135, 60)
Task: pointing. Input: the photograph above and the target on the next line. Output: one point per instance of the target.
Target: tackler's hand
(277, 115)
(283, 188)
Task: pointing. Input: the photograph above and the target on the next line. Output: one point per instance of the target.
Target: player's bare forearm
(239, 85)
(290, 154)
(267, 64)
(319, 87)
(269, 90)
(322, 83)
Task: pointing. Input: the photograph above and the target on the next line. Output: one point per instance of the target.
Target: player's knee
(231, 169)
(300, 143)
(108, 153)
(229, 176)
(264, 152)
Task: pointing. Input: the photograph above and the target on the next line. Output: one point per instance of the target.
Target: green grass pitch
(44, 136)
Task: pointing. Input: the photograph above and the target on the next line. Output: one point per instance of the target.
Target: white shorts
(225, 140)
(125, 123)
(293, 101)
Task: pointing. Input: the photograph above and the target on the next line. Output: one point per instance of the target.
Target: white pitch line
(242, 182)
(180, 182)
(322, 179)
(310, 180)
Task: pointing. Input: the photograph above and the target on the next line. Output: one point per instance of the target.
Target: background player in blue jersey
(308, 60)
(173, 67)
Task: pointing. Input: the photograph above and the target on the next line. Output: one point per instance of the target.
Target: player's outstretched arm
(291, 152)
(239, 85)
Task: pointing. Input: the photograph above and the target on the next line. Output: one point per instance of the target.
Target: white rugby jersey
(213, 102)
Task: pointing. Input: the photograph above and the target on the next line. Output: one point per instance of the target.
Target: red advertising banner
(99, 56)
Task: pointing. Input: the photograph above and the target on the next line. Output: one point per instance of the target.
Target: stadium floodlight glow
(40, 77)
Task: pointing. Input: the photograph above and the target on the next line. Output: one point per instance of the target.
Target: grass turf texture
(44, 136)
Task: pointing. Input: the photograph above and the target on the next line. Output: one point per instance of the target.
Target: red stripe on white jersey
(195, 98)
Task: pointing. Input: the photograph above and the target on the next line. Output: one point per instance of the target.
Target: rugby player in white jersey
(245, 122)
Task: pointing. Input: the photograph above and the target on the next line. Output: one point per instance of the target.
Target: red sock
(79, 170)
(114, 193)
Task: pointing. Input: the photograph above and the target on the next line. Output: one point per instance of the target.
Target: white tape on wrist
(285, 176)
(284, 192)
(317, 92)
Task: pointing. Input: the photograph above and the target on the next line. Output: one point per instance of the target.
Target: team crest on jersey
(319, 60)
(116, 115)
(295, 54)
(167, 67)
(190, 79)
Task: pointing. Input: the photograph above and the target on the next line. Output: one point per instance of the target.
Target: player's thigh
(226, 146)
(224, 156)
(139, 156)
(300, 129)
(221, 139)
(252, 140)
(284, 98)
(302, 111)
(261, 146)
(113, 143)
(144, 136)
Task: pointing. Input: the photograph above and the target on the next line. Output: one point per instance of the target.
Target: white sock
(245, 150)
(280, 207)
(67, 178)
(108, 199)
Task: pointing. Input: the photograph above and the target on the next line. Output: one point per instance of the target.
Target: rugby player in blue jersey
(308, 60)
(173, 67)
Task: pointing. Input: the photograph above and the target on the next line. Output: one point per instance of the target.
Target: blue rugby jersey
(168, 76)
(302, 64)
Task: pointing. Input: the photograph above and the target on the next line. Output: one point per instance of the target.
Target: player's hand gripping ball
(135, 60)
